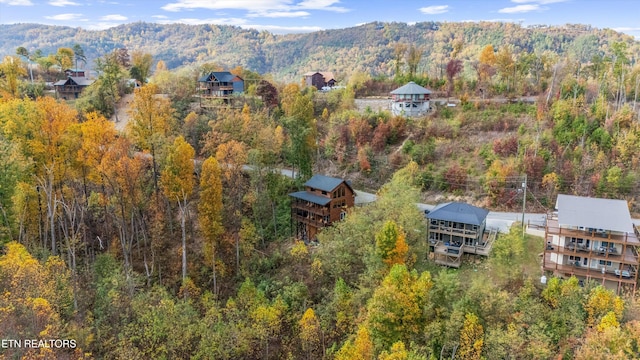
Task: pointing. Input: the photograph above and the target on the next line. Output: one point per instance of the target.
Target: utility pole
(524, 201)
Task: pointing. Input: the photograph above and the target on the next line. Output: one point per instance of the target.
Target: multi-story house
(592, 238)
(324, 200)
(410, 100)
(221, 85)
(71, 87)
(457, 228)
(320, 79)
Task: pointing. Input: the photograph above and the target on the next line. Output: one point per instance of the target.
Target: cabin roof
(596, 213)
(411, 89)
(313, 198)
(459, 212)
(325, 183)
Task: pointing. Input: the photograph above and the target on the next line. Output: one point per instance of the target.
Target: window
(603, 262)
(575, 258)
(343, 215)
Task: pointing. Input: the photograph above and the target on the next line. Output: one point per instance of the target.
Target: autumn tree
(454, 67)
(210, 210)
(361, 348)
(413, 60)
(471, 339)
(78, 54)
(233, 156)
(141, 66)
(390, 244)
(310, 333)
(177, 185)
(150, 121)
(396, 310)
(10, 72)
(399, 50)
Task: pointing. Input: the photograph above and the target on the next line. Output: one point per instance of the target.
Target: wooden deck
(451, 256)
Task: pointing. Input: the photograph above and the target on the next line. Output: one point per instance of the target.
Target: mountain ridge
(365, 48)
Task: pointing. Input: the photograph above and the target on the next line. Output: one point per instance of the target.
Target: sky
(296, 16)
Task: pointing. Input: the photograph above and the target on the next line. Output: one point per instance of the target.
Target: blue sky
(286, 16)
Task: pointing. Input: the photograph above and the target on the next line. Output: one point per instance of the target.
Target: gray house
(410, 100)
(456, 228)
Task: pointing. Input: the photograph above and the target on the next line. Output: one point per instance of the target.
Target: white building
(410, 100)
(592, 238)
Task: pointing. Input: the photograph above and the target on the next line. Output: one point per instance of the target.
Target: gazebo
(410, 100)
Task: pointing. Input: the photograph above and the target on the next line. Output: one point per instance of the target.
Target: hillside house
(410, 100)
(320, 79)
(75, 73)
(457, 228)
(72, 87)
(592, 238)
(220, 85)
(324, 201)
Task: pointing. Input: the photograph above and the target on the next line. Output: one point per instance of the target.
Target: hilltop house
(220, 85)
(320, 79)
(323, 201)
(410, 100)
(592, 238)
(71, 87)
(456, 228)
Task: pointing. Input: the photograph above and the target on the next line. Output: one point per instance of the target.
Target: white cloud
(255, 7)
(17, 2)
(64, 17)
(62, 3)
(114, 17)
(541, 2)
(159, 17)
(280, 14)
(101, 25)
(435, 9)
(520, 9)
(218, 21)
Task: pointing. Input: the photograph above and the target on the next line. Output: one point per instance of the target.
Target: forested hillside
(157, 241)
(367, 48)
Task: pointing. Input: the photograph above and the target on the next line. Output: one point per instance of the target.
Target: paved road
(501, 221)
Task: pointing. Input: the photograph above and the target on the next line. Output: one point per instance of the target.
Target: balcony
(630, 256)
(626, 276)
(591, 234)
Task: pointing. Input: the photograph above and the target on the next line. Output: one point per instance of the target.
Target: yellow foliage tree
(471, 338)
(177, 184)
(310, 332)
(210, 210)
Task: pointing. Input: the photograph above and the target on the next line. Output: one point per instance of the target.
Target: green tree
(141, 66)
(390, 244)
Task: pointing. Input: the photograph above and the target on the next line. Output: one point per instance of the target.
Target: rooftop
(587, 212)
(459, 212)
(312, 198)
(411, 88)
(324, 183)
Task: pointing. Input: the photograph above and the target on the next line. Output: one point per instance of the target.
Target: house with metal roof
(324, 200)
(71, 87)
(456, 228)
(410, 100)
(592, 238)
(319, 79)
(221, 85)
